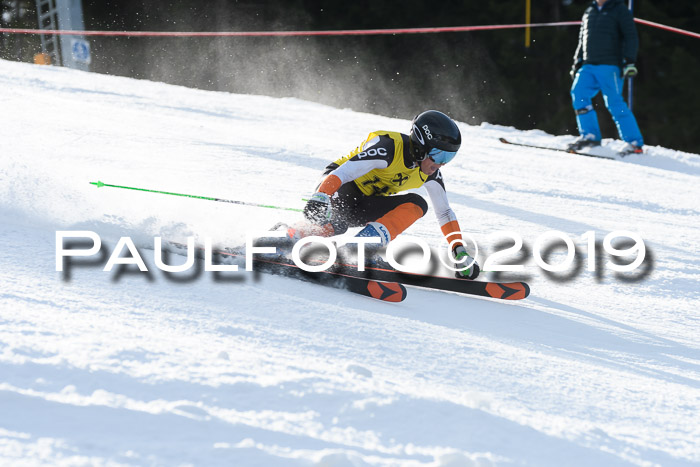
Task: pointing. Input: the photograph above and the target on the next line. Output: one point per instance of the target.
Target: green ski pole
(99, 184)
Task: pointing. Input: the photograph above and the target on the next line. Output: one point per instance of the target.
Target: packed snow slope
(130, 368)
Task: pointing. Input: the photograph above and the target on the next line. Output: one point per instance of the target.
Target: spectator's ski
(570, 151)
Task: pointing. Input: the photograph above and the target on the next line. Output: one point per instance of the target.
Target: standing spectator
(605, 56)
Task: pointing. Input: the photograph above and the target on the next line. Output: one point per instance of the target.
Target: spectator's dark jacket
(607, 36)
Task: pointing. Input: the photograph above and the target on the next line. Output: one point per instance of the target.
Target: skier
(605, 56)
(359, 189)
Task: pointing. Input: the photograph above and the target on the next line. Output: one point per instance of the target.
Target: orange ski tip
(387, 291)
(512, 291)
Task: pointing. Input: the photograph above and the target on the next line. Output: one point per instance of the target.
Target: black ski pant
(353, 208)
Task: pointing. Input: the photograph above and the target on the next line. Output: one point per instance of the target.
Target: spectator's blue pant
(604, 78)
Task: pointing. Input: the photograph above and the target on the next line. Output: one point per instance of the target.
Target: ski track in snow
(145, 369)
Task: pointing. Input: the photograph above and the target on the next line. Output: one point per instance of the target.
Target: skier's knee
(419, 201)
(584, 110)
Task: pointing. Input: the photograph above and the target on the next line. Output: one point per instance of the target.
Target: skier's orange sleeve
(330, 184)
(451, 231)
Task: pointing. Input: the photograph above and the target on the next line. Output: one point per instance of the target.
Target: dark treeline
(485, 76)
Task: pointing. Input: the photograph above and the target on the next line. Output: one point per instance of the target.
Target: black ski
(387, 291)
(379, 282)
(569, 151)
(500, 290)
(384, 272)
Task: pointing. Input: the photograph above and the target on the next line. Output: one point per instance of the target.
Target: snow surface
(130, 368)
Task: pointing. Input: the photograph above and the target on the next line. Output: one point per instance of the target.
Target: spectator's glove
(574, 68)
(470, 273)
(318, 208)
(629, 71)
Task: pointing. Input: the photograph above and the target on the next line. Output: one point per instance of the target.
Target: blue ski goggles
(441, 157)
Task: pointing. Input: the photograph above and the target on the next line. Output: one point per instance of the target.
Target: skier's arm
(578, 55)
(443, 212)
(348, 172)
(380, 157)
(450, 228)
(318, 208)
(630, 40)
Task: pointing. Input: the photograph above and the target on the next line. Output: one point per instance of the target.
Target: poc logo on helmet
(427, 132)
(372, 152)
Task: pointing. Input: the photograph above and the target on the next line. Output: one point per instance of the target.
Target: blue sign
(80, 50)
